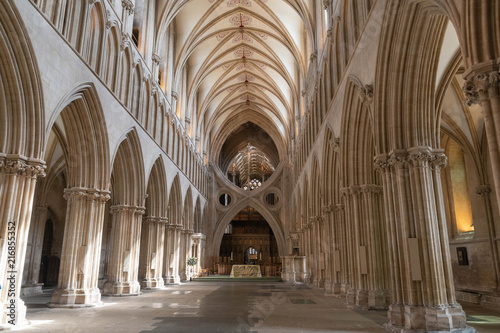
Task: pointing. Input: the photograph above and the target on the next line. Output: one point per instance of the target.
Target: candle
(261, 256)
(231, 255)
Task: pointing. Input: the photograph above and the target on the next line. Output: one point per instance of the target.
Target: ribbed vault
(236, 58)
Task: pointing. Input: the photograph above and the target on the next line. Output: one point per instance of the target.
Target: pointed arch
(175, 206)
(188, 209)
(157, 196)
(271, 219)
(197, 216)
(128, 172)
(93, 45)
(21, 97)
(87, 152)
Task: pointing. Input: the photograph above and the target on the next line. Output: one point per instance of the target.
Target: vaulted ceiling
(237, 61)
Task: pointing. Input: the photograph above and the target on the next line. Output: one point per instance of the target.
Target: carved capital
(156, 59)
(128, 5)
(398, 159)
(339, 208)
(483, 189)
(371, 188)
(314, 56)
(334, 143)
(381, 163)
(81, 193)
(15, 165)
(480, 87)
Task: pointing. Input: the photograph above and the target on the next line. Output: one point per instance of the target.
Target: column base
(328, 288)
(351, 297)
(410, 319)
(32, 290)
(153, 283)
(14, 317)
(79, 298)
(337, 289)
(344, 288)
(132, 288)
(173, 279)
(378, 299)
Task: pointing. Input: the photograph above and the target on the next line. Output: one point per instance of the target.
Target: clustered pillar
(423, 294)
(125, 249)
(154, 237)
(366, 247)
(17, 180)
(78, 272)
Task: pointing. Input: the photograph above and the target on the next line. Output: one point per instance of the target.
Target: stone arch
(188, 209)
(330, 174)
(197, 216)
(356, 139)
(127, 200)
(111, 58)
(128, 172)
(272, 220)
(21, 96)
(405, 109)
(81, 115)
(175, 202)
(152, 249)
(406, 135)
(94, 42)
(157, 195)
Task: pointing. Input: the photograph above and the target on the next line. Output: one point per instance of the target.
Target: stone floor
(223, 307)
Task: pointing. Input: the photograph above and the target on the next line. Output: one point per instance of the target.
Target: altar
(245, 271)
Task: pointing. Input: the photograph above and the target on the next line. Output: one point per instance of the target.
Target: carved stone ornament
(479, 86)
(483, 189)
(90, 194)
(15, 165)
(128, 5)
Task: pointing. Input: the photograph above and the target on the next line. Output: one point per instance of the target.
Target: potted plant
(191, 262)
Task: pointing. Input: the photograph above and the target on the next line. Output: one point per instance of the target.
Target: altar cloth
(245, 271)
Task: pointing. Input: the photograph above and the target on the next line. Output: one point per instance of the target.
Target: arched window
(456, 189)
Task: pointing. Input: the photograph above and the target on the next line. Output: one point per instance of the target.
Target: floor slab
(223, 307)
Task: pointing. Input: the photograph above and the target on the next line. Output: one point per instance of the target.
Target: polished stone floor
(223, 307)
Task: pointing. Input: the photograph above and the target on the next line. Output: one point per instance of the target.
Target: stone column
(125, 248)
(31, 285)
(484, 191)
(153, 238)
(367, 246)
(186, 252)
(168, 276)
(17, 183)
(328, 241)
(483, 89)
(127, 10)
(176, 278)
(423, 293)
(340, 277)
(198, 240)
(351, 206)
(81, 251)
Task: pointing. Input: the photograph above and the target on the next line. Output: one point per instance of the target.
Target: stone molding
(483, 189)
(128, 5)
(479, 87)
(416, 157)
(156, 58)
(82, 193)
(363, 189)
(155, 219)
(18, 165)
(115, 209)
